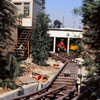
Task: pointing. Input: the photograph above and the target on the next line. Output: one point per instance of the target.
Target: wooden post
(68, 42)
(28, 50)
(54, 45)
(79, 88)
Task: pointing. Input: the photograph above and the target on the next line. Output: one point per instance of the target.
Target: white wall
(27, 22)
(35, 6)
(21, 0)
(65, 34)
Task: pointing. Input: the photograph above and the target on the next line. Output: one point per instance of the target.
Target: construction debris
(31, 72)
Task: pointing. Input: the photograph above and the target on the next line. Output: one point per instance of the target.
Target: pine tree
(91, 40)
(40, 40)
(8, 66)
(7, 21)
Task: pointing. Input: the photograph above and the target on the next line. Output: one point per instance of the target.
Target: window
(19, 6)
(26, 9)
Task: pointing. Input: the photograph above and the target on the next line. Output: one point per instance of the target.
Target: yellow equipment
(74, 47)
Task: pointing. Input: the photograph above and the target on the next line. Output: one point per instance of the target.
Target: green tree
(9, 72)
(40, 40)
(75, 13)
(91, 40)
(7, 22)
(8, 66)
(57, 24)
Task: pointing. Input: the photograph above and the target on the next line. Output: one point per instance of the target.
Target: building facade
(27, 11)
(66, 34)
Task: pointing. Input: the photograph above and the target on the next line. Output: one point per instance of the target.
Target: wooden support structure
(28, 50)
(22, 48)
(49, 92)
(60, 86)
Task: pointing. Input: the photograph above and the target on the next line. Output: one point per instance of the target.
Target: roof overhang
(65, 33)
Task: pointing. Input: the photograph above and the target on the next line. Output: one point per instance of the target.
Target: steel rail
(49, 92)
(44, 88)
(67, 95)
(72, 91)
(52, 89)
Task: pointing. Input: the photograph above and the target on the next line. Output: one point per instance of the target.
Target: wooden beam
(28, 50)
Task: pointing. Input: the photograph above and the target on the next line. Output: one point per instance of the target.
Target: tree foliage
(7, 21)
(57, 24)
(8, 65)
(75, 13)
(91, 39)
(40, 40)
(91, 18)
(9, 72)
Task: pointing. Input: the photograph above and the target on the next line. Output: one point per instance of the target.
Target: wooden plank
(61, 82)
(67, 94)
(49, 92)
(58, 80)
(55, 86)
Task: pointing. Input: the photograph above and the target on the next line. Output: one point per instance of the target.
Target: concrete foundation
(26, 89)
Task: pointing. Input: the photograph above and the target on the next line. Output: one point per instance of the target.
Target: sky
(62, 9)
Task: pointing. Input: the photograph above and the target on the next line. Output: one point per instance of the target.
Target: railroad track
(61, 87)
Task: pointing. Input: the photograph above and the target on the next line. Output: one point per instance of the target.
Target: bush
(13, 67)
(8, 83)
(10, 72)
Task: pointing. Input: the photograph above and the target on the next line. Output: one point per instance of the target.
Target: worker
(61, 46)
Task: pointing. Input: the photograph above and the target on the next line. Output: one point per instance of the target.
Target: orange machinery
(61, 46)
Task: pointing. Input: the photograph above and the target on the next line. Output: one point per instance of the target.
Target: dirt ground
(47, 72)
(39, 74)
(4, 90)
